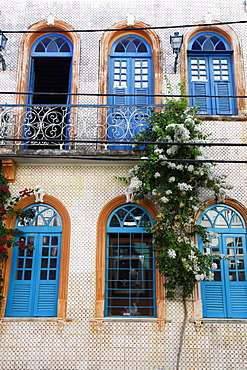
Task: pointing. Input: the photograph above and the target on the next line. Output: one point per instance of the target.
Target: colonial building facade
(81, 79)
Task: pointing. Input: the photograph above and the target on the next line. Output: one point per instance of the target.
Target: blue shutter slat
(141, 99)
(47, 295)
(213, 300)
(224, 103)
(200, 88)
(238, 299)
(20, 304)
(119, 100)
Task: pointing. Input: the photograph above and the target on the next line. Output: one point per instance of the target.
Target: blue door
(49, 84)
(34, 277)
(211, 73)
(130, 82)
(226, 294)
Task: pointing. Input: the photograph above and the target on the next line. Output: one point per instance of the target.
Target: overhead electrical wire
(134, 28)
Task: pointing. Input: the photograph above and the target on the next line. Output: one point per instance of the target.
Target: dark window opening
(50, 75)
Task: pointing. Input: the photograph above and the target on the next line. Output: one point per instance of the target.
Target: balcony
(85, 129)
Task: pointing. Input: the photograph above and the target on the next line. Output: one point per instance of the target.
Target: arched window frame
(52, 53)
(65, 252)
(101, 260)
(130, 72)
(210, 63)
(237, 60)
(136, 262)
(106, 42)
(28, 40)
(201, 309)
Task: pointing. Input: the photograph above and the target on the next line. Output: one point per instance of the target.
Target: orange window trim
(101, 257)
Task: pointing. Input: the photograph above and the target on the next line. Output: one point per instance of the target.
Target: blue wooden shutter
(22, 275)
(235, 275)
(34, 277)
(47, 278)
(200, 83)
(221, 81)
(226, 295)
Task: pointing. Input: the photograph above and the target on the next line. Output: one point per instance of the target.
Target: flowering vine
(170, 175)
(8, 207)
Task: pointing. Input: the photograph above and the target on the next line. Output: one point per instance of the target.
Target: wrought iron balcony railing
(65, 126)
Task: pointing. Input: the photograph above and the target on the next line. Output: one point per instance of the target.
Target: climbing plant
(171, 174)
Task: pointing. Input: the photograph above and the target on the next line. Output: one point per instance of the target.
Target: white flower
(213, 234)
(171, 253)
(158, 151)
(189, 119)
(171, 179)
(162, 156)
(184, 187)
(171, 165)
(168, 192)
(135, 183)
(199, 277)
(157, 174)
(180, 167)
(190, 168)
(154, 192)
(214, 266)
(172, 150)
(210, 276)
(164, 199)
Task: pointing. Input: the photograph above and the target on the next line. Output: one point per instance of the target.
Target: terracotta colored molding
(24, 58)
(9, 169)
(110, 37)
(101, 257)
(65, 251)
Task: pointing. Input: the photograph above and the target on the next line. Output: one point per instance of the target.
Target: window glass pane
(217, 275)
(54, 240)
(45, 251)
(54, 252)
(29, 263)
(241, 276)
(46, 240)
(18, 275)
(53, 263)
(20, 263)
(44, 262)
(232, 276)
(43, 274)
(52, 275)
(27, 275)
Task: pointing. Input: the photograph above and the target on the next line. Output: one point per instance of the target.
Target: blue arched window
(130, 73)
(211, 73)
(34, 277)
(226, 295)
(49, 74)
(130, 269)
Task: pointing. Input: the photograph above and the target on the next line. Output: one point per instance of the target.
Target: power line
(133, 28)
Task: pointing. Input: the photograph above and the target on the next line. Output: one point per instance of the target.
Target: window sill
(99, 321)
(219, 321)
(221, 118)
(35, 319)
